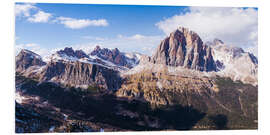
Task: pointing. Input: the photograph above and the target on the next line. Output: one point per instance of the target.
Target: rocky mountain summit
(71, 53)
(184, 48)
(115, 56)
(26, 59)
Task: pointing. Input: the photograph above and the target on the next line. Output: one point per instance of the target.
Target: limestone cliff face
(213, 95)
(184, 48)
(161, 88)
(81, 74)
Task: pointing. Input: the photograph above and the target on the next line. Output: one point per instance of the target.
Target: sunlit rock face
(184, 48)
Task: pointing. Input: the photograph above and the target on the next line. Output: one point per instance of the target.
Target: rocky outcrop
(184, 48)
(71, 53)
(26, 59)
(80, 74)
(159, 87)
(211, 95)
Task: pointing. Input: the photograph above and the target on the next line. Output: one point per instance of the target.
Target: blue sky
(44, 28)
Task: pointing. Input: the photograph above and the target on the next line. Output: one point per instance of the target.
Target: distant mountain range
(212, 77)
(183, 48)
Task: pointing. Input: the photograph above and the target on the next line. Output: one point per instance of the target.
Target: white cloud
(235, 26)
(94, 38)
(138, 37)
(24, 9)
(34, 14)
(31, 45)
(73, 23)
(40, 17)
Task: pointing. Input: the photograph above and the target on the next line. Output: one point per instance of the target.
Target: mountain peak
(217, 41)
(26, 59)
(71, 53)
(97, 47)
(185, 31)
(67, 50)
(114, 56)
(115, 51)
(27, 51)
(30, 53)
(184, 48)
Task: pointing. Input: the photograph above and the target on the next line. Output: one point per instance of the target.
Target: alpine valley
(185, 85)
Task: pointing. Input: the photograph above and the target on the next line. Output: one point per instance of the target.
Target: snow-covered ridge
(69, 55)
(234, 62)
(65, 58)
(133, 58)
(89, 59)
(115, 56)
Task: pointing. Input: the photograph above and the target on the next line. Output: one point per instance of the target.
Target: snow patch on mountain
(234, 62)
